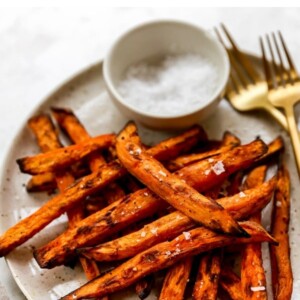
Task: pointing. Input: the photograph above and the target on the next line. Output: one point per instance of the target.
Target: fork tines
(280, 70)
(242, 72)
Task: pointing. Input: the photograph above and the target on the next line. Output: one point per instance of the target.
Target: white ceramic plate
(86, 95)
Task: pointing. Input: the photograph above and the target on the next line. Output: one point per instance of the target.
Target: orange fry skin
(234, 160)
(176, 280)
(63, 157)
(47, 140)
(41, 183)
(162, 256)
(171, 225)
(276, 146)
(206, 285)
(209, 268)
(170, 187)
(165, 150)
(186, 160)
(282, 275)
(252, 270)
(70, 124)
(45, 132)
(229, 141)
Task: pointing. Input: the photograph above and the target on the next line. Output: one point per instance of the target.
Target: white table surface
(40, 48)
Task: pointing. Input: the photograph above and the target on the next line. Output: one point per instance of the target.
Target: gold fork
(284, 86)
(247, 90)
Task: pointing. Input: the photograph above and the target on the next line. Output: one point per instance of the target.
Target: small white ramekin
(162, 38)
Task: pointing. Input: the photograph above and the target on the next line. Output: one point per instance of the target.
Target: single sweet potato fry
(41, 183)
(64, 157)
(165, 150)
(173, 224)
(274, 147)
(214, 171)
(229, 141)
(170, 187)
(176, 280)
(255, 177)
(47, 140)
(45, 182)
(70, 124)
(282, 276)
(164, 255)
(188, 159)
(207, 281)
(253, 279)
(45, 132)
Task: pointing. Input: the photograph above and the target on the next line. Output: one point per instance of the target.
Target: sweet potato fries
(170, 209)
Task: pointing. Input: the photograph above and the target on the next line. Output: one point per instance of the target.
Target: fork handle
(289, 110)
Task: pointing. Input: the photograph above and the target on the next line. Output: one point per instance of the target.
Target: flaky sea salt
(143, 234)
(218, 168)
(257, 288)
(137, 151)
(187, 235)
(177, 251)
(162, 173)
(177, 84)
(206, 172)
(242, 195)
(154, 230)
(278, 204)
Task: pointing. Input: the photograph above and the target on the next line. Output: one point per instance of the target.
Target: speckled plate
(86, 95)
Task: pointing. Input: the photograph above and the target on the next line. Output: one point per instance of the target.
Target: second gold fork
(284, 86)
